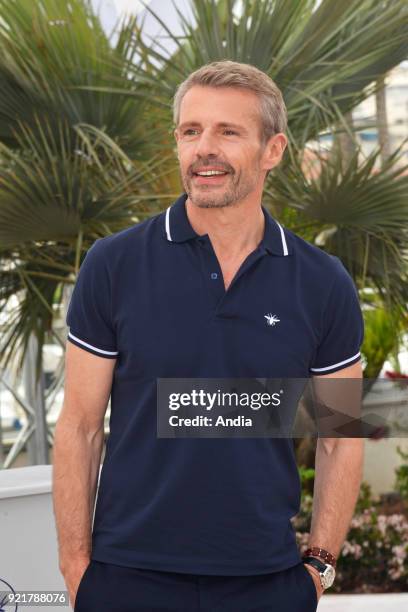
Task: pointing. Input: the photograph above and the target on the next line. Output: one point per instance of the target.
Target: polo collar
(177, 228)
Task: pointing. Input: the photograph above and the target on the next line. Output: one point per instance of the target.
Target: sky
(111, 10)
(124, 6)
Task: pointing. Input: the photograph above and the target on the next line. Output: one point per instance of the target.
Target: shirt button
(214, 275)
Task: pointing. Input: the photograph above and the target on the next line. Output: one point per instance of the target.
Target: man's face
(219, 129)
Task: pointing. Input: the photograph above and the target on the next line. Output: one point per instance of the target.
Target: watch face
(328, 576)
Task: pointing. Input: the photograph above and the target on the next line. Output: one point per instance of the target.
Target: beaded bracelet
(316, 551)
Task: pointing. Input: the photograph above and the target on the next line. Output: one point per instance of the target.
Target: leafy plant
(364, 500)
(401, 482)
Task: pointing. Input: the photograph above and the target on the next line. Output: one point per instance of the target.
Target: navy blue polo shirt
(152, 296)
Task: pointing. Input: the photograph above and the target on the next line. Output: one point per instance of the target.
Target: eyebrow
(220, 124)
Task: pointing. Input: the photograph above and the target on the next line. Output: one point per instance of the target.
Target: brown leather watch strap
(316, 551)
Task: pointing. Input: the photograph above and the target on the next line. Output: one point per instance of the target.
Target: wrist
(67, 561)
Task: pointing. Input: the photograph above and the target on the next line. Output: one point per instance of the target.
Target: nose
(207, 144)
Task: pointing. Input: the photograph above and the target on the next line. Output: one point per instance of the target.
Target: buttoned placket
(213, 276)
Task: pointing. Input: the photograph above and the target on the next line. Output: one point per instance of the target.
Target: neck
(232, 229)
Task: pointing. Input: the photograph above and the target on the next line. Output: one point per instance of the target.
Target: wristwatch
(326, 571)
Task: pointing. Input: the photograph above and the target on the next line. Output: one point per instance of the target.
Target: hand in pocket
(73, 577)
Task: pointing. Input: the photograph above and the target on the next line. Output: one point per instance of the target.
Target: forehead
(211, 105)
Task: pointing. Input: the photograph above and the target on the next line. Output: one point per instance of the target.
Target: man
(212, 287)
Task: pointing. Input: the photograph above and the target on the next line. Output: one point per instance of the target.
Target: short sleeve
(89, 312)
(343, 328)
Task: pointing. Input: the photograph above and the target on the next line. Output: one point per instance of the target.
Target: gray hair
(227, 73)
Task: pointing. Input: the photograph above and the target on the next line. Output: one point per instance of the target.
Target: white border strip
(168, 224)
(98, 350)
(336, 364)
(284, 245)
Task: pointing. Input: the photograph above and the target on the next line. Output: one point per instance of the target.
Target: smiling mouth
(211, 177)
(214, 179)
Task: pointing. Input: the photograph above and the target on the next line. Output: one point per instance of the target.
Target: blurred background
(87, 149)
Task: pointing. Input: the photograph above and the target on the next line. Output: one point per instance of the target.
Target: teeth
(210, 172)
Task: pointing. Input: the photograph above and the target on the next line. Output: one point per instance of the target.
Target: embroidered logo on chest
(271, 319)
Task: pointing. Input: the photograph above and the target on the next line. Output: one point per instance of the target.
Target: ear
(274, 150)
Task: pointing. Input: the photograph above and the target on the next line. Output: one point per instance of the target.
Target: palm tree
(382, 120)
(75, 164)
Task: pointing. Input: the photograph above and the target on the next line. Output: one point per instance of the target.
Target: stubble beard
(230, 195)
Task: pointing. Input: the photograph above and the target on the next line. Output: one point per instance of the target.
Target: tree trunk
(382, 121)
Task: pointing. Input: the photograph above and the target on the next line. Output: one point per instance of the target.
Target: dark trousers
(115, 588)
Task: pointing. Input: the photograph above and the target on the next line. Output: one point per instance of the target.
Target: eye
(188, 131)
